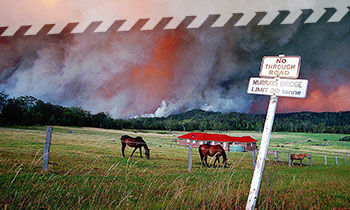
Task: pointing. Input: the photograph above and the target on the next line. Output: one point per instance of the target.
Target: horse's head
(308, 156)
(147, 153)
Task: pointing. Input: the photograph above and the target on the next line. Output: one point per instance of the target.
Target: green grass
(88, 172)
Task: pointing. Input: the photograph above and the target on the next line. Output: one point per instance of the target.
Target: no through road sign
(280, 66)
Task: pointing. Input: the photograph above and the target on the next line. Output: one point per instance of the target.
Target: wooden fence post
(325, 159)
(276, 155)
(253, 153)
(310, 159)
(289, 160)
(336, 160)
(190, 158)
(47, 148)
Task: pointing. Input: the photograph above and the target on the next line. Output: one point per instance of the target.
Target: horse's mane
(143, 142)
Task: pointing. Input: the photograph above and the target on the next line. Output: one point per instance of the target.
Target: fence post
(310, 159)
(336, 160)
(325, 159)
(253, 159)
(289, 160)
(47, 148)
(190, 158)
(276, 155)
(344, 159)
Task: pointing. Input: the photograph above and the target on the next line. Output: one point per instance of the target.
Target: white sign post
(277, 67)
(259, 167)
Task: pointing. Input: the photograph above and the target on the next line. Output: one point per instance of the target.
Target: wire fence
(278, 156)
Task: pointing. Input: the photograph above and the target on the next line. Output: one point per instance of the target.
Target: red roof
(216, 137)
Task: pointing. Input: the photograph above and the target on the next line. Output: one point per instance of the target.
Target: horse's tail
(224, 155)
(123, 137)
(200, 152)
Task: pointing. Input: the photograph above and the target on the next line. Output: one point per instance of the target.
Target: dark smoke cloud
(158, 73)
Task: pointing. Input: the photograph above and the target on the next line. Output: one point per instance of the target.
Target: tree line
(28, 111)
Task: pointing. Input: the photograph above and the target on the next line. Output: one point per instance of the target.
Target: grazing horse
(212, 150)
(137, 142)
(299, 157)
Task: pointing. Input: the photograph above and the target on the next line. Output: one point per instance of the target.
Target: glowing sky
(161, 72)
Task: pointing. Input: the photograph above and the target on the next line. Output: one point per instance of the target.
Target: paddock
(86, 168)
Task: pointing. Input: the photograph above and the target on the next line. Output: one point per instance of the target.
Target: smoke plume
(162, 72)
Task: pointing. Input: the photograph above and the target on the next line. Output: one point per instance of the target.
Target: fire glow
(162, 72)
(149, 83)
(318, 100)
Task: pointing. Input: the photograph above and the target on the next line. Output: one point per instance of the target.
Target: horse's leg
(123, 148)
(133, 151)
(301, 162)
(205, 159)
(140, 152)
(216, 159)
(202, 158)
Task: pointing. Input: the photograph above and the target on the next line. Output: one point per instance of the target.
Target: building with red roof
(197, 139)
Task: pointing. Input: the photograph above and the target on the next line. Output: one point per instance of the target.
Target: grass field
(87, 171)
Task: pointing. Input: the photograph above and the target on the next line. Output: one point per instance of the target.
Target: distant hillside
(327, 122)
(27, 110)
(193, 114)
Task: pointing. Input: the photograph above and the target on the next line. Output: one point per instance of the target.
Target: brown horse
(299, 157)
(212, 150)
(137, 142)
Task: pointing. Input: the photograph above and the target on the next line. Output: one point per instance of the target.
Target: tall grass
(88, 172)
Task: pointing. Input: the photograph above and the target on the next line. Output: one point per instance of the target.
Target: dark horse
(137, 142)
(299, 157)
(212, 150)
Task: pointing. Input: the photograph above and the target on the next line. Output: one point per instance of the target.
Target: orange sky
(318, 100)
(152, 82)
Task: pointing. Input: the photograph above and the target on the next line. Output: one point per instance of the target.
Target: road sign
(295, 88)
(280, 66)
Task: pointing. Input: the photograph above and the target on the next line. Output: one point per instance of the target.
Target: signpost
(277, 67)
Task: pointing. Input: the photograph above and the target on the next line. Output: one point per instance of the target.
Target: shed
(196, 139)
